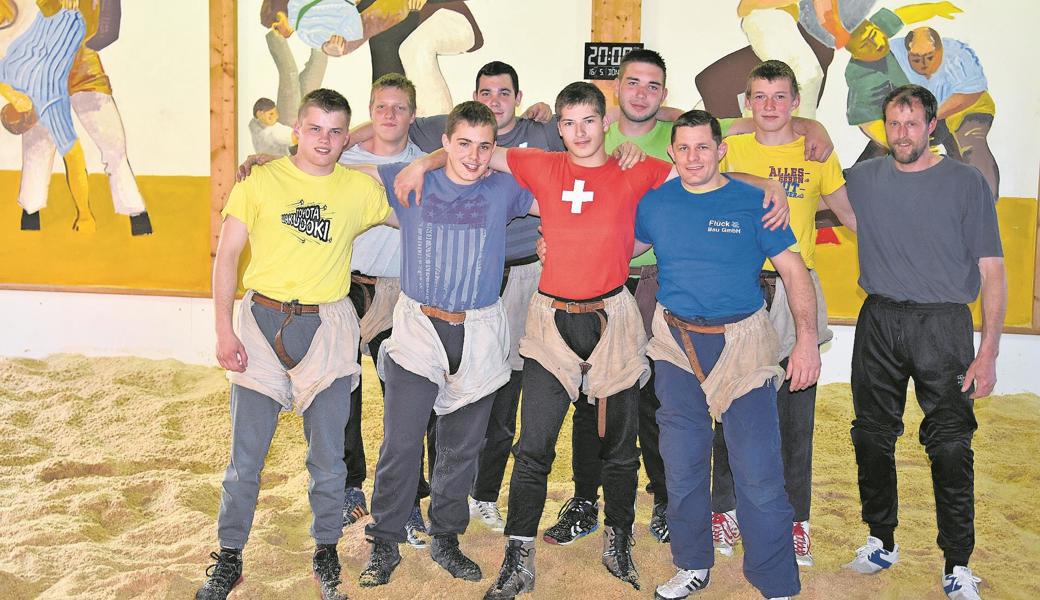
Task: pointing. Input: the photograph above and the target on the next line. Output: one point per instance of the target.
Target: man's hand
(780, 214)
(803, 367)
(231, 354)
(983, 373)
(253, 160)
(629, 155)
(540, 112)
(818, 143)
(408, 180)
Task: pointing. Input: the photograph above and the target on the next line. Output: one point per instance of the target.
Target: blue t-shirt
(710, 247)
(453, 243)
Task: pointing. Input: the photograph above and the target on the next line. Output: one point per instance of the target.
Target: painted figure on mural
(54, 64)
(947, 67)
(404, 36)
(802, 33)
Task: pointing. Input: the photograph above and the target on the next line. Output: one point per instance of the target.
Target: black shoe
(382, 561)
(578, 518)
(617, 555)
(659, 523)
(224, 575)
(445, 552)
(327, 572)
(140, 224)
(30, 222)
(517, 573)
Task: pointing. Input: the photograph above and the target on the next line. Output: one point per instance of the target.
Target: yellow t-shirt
(302, 227)
(805, 181)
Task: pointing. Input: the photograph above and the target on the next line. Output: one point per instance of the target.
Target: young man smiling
(296, 347)
(449, 348)
(715, 356)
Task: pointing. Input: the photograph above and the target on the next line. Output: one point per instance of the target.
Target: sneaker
(802, 543)
(617, 554)
(577, 519)
(382, 561)
(415, 529)
(725, 531)
(517, 573)
(488, 514)
(223, 575)
(961, 584)
(327, 572)
(445, 552)
(683, 583)
(354, 506)
(659, 523)
(873, 557)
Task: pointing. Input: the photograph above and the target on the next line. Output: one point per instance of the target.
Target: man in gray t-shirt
(928, 242)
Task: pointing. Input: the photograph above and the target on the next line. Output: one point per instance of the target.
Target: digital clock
(602, 59)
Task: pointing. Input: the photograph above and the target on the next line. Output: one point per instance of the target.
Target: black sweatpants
(932, 344)
(585, 450)
(353, 444)
(545, 405)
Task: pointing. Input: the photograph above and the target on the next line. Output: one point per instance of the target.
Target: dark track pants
(933, 344)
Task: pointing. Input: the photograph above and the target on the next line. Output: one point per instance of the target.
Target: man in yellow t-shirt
(297, 339)
(774, 150)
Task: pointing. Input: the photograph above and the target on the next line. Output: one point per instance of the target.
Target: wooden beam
(615, 21)
(223, 133)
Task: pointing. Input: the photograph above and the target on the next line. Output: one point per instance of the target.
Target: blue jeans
(753, 436)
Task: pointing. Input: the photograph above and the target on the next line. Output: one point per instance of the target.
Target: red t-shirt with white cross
(588, 217)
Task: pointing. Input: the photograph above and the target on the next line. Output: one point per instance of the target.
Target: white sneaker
(802, 543)
(488, 514)
(682, 584)
(961, 585)
(873, 557)
(725, 532)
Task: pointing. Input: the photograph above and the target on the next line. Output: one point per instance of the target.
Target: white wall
(159, 68)
(692, 35)
(37, 324)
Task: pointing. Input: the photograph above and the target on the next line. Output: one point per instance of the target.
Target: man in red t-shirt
(584, 341)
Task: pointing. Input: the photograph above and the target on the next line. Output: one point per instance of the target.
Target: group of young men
(708, 345)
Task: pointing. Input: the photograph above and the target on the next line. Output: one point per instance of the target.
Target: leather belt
(455, 318)
(291, 308)
(685, 327)
(366, 296)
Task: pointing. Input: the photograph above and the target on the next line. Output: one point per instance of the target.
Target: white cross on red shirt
(577, 196)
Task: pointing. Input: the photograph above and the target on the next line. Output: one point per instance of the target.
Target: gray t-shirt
(522, 233)
(921, 234)
(377, 252)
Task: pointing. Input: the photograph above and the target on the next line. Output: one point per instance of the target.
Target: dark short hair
(325, 99)
(905, 96)
(933, 34)
(396, 81)
(494, 68)
(581, 92)
(642, 55)
(262, 104)
(696, 118)
(771, 70)
(472, 113)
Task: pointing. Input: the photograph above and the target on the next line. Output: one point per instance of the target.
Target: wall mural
(48, 72)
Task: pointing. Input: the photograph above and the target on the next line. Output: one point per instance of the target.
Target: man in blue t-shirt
(715, 356)
(449, 348)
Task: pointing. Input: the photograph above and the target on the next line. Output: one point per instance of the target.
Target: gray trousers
(407, 403)
(254, 418)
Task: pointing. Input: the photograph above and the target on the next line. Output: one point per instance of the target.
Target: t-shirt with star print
(588, 217)
(453, 243)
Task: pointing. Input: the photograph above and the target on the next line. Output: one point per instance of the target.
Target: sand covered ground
(110, 470)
